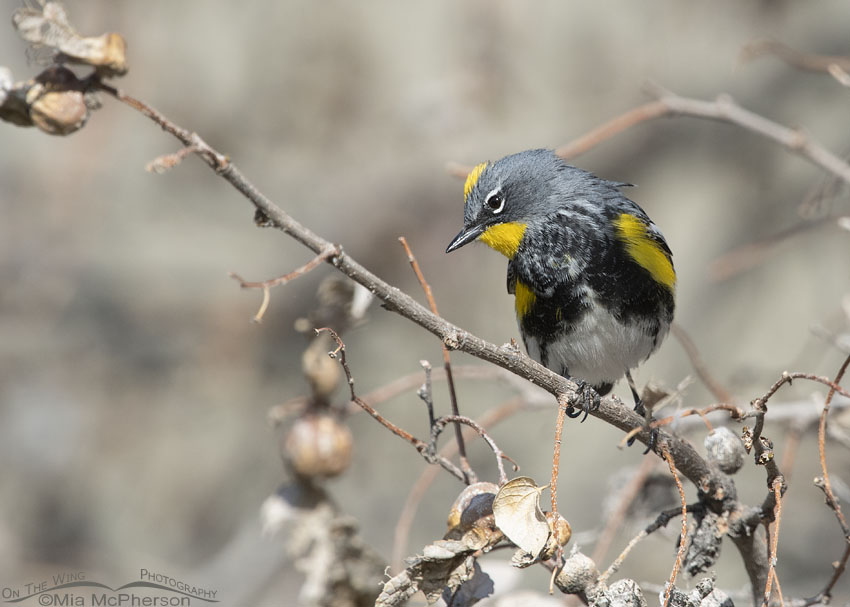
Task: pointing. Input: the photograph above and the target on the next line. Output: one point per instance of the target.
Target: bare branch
(723, 109)
(420, 445)
(447, 363)
(266, 285)
(680, 553)
(793, 57)
(774, 544)
(429, 474)
(441, 422)
(840, 566)
(556, 455)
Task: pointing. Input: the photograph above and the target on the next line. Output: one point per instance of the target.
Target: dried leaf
(443, 564)
(518, 514)
(48, 26)
(478, 587)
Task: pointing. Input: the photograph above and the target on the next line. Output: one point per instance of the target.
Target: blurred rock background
(134, 390)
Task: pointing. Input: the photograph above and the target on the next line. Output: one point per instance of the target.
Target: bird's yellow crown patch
(472, 179)
(644, 250)
(504, 237)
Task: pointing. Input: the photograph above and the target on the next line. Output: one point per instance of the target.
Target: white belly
(600, 348)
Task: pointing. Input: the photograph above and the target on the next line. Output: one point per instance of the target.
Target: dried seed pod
(560, 533)
(724, 448)
(318, 446)
(59, 112)
(473, 503)
(578, 574)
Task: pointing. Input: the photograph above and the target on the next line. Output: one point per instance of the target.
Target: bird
(592, 275)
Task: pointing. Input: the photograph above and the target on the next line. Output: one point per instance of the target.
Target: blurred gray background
(134, 390)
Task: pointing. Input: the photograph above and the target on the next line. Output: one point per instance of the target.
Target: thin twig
(563, 403)
(441, 422)
(660, 521)
(793, 57)
(831, 501)
(840, 566)
(735, 412)
(714, 386)
(683, 537)
(429, 474)
(722, 109)
(420, 445)
(777, 488)
(764, 456)
(787, 378)
(447, 363)
(643, 113)
(426, 394)
(615, 566)
(166, 162)
(414, 380)
(266, 285)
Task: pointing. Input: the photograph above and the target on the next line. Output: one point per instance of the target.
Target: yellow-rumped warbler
(592, 275)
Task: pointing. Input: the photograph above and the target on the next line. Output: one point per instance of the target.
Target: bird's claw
(587, 398)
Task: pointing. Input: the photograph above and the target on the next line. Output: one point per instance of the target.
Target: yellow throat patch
(504, 237)
(472, 179)
(644, 250)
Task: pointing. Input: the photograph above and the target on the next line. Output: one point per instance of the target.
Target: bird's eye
(495, 201)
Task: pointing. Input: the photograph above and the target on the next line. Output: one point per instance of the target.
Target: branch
(447, 364)
(687, 459)
(793, 57)
(722, 109)
(774, 544)
(680, 553)
(420, 445)
(266, 285)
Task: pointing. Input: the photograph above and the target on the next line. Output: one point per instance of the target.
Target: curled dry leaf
(478, 587)
(518, 514)
(443, 564)
(449, 564)
(48, 26)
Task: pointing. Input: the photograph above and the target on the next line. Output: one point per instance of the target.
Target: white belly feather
(600, 348)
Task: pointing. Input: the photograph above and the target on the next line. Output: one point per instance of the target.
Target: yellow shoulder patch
(644, 250)
(472, 179)
(504, 237)
(525, 298)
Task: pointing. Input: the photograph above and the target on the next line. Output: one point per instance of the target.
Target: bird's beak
(465, 236)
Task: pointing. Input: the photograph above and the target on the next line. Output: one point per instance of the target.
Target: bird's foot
(587, 401)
